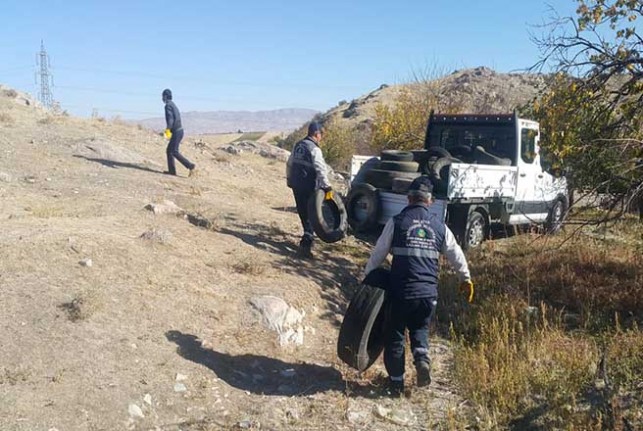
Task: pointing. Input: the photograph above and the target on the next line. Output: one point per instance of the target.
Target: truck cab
(486, 169)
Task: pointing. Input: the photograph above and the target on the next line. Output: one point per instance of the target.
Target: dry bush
(81, 306)
(584, 275)
(249, 265)
(51, 119)
(517, 361)
(402, 125)
(6, 118)
(10, 93)
(338, 144)
(529, 366)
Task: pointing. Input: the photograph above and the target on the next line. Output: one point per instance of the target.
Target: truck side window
(528, 145)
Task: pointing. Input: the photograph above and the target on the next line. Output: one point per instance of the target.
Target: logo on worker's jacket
(420, 235)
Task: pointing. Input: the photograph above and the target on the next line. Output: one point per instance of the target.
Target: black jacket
(172, 116)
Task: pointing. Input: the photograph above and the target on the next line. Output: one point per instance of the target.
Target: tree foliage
(592, 114)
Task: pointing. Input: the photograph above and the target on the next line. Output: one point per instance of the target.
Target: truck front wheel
(476, 230)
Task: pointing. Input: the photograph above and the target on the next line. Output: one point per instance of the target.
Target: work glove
(168, 133)
(329, 193)
(466, 288)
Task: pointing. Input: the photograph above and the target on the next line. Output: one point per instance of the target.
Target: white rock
(148, 399)
(5, 177)
(181, 377)
(397, 416)
(165, 207)
(135, 411)
(276, 313)
(86, 262)
(353, 416)
(179, 387)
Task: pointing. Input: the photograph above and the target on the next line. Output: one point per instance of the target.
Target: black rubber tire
(420, 156)
(389, 165)
(476, 231)
(397, 156)
(328, 217)
(438, 152)
(438, 173)
(555, 218)
(363, 207)
(363, 332)
(372, 163)
(384, 179)
(401, 185)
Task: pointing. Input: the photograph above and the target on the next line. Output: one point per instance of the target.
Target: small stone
(396, 416)
(247, 424)
(353, 416)
(180, 387)
(148, 399)
(165, 207)
(5, 177)
(181, 377)
(86, 262)
(135, 411)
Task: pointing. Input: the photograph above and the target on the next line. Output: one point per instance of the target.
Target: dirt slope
(157, 332)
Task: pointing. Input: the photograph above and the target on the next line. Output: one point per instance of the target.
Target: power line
(44, 77)
(218, 81)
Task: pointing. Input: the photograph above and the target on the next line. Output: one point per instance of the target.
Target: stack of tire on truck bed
(393, 171)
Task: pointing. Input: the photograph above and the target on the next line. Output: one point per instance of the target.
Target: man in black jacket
(174, 132)
(307, 172)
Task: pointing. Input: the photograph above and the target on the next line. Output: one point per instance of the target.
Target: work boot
(423, 370)
(305, 250)
(395, 389)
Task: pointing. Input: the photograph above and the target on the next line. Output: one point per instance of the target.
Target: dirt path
(158, 333)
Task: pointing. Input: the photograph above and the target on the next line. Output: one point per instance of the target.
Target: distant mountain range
(278, 120)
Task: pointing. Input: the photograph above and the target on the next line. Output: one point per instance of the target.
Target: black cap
(167, 93)
(421, 187)
(313, 128)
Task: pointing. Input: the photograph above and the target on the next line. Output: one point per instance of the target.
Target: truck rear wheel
(476, 231)
(555, 219)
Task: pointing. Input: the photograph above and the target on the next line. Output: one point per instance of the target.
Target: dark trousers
(414, 314)
(301, 200)
(173, 153)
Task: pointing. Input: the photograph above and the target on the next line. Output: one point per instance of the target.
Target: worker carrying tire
(415, 237)
(306, 172)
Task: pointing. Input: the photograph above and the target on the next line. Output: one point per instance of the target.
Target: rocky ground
(134, 300)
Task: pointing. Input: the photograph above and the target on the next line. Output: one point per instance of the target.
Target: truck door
(530, 206)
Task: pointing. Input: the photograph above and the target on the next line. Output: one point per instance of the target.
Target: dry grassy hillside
(157, 331)
(479, 90)
(113, 317)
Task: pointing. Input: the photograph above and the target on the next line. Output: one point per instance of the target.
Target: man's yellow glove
(466, 288)
(329, 194)
(168, 133)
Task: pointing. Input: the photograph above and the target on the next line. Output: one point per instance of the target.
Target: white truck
(486, 170)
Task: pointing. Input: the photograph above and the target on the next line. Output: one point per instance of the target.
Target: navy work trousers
(414, 314)
(173, 153)
(301, 200)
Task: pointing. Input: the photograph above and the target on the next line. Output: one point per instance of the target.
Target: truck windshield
(460, 139)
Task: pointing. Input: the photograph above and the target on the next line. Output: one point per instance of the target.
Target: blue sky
(117, 56)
